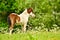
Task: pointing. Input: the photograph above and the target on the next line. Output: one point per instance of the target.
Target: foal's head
(30, 12)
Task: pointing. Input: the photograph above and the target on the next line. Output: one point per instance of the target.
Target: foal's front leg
(24, 27)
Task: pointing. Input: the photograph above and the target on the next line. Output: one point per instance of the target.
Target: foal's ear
(29, 10)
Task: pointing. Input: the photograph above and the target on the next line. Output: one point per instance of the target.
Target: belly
(19, 23)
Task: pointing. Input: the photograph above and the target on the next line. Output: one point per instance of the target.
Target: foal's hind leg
(11, 28)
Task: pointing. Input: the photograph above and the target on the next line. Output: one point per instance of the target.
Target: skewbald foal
(19, 19)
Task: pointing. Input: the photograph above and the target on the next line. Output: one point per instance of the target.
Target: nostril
(34, 15)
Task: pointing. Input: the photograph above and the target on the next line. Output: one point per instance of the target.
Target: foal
(21, 19)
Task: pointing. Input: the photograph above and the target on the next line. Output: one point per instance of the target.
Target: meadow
(31, 35)
(47, 18)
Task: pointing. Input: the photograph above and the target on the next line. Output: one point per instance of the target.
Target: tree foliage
(46, 11)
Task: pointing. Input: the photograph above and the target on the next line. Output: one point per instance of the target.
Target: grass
(31, 35)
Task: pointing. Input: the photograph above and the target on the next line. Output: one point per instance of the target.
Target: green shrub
(43, 9)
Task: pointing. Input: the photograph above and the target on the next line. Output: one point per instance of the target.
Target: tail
(9, 21)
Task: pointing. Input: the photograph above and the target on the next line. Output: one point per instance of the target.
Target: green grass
(31, 35)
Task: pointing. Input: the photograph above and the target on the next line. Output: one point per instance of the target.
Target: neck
(25, 13)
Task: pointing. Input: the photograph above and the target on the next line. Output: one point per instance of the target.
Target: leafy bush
(43, 10)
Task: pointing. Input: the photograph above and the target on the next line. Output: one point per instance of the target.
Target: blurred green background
(47, 13)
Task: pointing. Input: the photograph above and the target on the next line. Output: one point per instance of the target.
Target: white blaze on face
(32, 14)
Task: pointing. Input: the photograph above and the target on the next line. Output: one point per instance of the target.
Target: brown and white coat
(21, 19)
